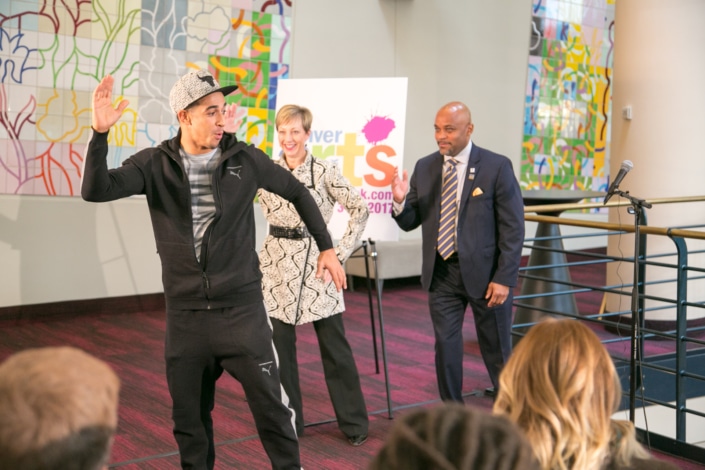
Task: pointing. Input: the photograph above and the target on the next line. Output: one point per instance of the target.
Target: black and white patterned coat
(285, 262)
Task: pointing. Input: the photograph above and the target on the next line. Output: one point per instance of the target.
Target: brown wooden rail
(645, 229)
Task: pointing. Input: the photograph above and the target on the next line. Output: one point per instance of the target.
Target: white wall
(660, 77)
(61, 248)
(473, 51)
(56, 249)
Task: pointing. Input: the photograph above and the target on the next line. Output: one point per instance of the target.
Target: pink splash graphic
(378, 129)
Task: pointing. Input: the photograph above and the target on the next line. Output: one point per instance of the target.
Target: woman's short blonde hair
(561, 387)
(289, 112)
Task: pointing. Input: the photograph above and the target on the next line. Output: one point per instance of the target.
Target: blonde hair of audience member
(58, 410)
(452, 436)
(561, 387)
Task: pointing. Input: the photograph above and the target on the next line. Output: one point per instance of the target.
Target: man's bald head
(453, 128)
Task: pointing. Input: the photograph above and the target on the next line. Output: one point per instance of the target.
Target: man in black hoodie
(200, 188)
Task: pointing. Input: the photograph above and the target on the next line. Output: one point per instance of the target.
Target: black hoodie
(228, 274)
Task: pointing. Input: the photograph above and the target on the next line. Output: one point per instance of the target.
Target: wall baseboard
(71, 308)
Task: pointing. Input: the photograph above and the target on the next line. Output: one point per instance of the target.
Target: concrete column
(659, 77)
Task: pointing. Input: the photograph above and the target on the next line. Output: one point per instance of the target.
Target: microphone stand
(637, 209)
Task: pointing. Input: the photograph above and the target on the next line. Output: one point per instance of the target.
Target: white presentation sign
(358, 123)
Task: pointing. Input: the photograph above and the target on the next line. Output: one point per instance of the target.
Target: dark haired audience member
(452, 436)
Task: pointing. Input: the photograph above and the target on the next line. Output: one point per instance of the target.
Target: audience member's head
(58, 410)
(561, 387)
(453, 436)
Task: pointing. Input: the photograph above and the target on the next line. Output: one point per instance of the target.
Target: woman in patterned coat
(292, 293)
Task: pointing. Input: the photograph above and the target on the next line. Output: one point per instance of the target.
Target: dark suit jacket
(490, 225)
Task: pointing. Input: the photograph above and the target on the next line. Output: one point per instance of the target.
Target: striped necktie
(449, 203)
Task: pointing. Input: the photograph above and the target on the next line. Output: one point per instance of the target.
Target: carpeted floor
(131, 340)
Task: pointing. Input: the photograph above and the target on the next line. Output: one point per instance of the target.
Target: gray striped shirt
(199, 169)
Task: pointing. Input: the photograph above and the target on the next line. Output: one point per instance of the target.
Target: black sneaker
(357, 440)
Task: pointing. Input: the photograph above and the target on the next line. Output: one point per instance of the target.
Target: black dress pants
(342, 378)
(448, 301)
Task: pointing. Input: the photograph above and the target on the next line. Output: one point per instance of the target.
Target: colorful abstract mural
(52, 55)
(568, 95)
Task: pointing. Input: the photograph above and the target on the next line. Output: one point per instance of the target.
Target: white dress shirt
(462, 157)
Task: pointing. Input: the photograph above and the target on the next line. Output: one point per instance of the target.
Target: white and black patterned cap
(192, 87)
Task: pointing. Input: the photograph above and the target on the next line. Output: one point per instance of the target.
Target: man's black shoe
(357, 440)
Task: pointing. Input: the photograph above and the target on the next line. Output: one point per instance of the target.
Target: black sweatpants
(200, 344)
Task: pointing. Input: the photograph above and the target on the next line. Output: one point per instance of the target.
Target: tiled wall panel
(568, 95)
(52, 55)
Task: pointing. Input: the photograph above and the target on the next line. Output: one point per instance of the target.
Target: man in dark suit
(475, 258)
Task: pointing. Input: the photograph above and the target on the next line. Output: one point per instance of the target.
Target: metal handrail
(645, 229)
(685, 344)
(599, 205)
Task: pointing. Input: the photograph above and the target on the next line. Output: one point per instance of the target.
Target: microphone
(625, 168)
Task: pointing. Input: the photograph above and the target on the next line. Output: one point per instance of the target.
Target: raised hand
(232, 124)
(400, 185)
(104, 114)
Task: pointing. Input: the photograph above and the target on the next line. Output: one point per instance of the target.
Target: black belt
(287, 232)
(451, 259)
